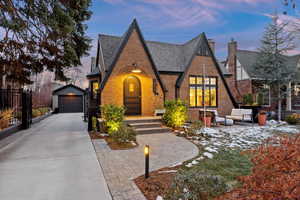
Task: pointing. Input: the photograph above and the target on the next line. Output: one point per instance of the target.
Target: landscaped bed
(225, 157)
(111, 142)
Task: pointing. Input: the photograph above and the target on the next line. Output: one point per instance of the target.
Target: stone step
(134, 121)
(146, 125)
(142, 131)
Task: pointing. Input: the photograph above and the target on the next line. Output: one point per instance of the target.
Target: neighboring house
(245, 79)
(141, 75)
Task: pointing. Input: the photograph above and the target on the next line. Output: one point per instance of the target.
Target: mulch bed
(157, 184)
(112, 144)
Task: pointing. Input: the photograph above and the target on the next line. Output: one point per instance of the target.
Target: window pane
(95, 86)
(206, 81)
(199, 80)
(192, 96)
(213, 96)
(199, 96)
(192, 80)
(206, 97)
(213, 81)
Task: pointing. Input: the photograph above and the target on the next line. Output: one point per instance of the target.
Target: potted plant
(206, 118)
(262, 118)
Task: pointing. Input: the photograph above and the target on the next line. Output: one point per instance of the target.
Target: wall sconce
(135, 70)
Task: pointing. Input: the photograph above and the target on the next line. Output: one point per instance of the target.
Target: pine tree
(42, 35)
(271, 63)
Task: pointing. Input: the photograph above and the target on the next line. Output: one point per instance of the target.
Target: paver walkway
(53, 160)
(120, 167)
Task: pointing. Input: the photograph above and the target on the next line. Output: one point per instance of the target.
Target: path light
(146, 152)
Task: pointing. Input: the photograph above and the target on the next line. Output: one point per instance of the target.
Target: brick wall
(133, 52)
(225, 104)
(169, 81)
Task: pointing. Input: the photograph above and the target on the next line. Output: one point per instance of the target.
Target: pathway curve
(121, 166)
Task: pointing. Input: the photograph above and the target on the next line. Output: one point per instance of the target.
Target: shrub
(276, 172)
(5, 117)
(36, 113)
(195, 126)
(176, 113)
(194, 185)
(44, 110)
(113, 116)
(124, 134)
(292, 119)
(248, 99)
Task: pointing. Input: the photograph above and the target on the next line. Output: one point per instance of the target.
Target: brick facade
(133, 52)
(169, 81)
(225, 104)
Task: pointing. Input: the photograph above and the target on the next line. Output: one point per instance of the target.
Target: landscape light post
(146, 152)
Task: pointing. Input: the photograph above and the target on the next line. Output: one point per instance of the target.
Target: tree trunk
(289, 97)
(279, 103)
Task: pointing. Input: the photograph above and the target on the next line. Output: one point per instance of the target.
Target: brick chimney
(231, 64)
(232, 49)
(212, 44)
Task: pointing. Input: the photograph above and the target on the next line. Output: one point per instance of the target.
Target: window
(95, 88)
(265, 98)
(203, 91)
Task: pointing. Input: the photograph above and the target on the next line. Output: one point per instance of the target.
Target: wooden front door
(132, 95)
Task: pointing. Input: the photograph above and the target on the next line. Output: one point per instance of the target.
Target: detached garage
(68, 99)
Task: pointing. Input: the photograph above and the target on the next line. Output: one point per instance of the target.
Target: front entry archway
(132, 95)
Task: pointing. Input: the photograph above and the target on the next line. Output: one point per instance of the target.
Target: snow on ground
(238, 137)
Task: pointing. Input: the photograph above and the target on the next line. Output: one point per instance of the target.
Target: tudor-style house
(244, 79)
(140, 75)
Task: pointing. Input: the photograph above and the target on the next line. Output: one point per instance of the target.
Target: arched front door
(132, 95)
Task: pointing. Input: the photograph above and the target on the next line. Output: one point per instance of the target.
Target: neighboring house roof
(248, 59)
(222, 65)
(67, 86)
(95, 71)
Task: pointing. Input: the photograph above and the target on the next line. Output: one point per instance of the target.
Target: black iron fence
(15, 108)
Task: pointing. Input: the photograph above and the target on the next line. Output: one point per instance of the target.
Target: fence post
(26, 109)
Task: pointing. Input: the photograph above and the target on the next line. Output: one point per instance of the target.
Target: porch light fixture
(135, 70)
(146, 152)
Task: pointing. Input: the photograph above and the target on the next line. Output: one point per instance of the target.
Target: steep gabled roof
(166, 56)
(201, 49)
(113, 56)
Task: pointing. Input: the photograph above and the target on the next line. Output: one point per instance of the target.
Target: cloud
(187, 13)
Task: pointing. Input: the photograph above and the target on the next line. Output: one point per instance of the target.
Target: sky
(178, 21)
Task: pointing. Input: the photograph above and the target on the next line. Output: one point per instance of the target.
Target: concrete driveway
(53, 160)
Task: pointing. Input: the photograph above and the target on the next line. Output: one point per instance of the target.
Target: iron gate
(19, 103)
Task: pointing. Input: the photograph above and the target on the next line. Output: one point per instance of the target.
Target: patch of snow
(209, 131)
(189, 165)
(200, 158)
(211, 150)
(176, 164)
(208, 155)
(195, 162)
(167, 171)
(159, 198)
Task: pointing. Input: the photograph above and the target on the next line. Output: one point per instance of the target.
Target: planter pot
(262, 118)
(207, 121)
